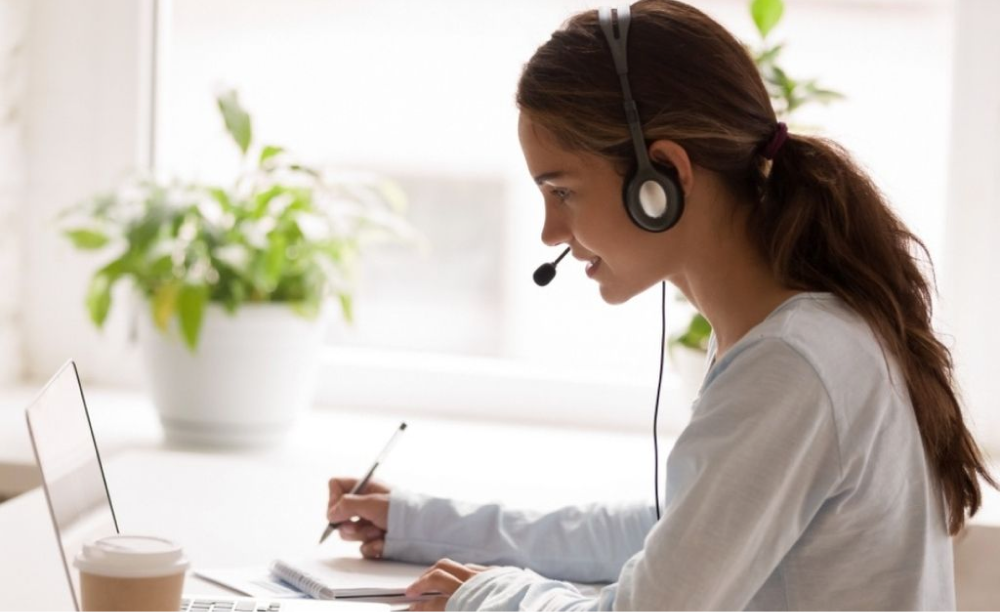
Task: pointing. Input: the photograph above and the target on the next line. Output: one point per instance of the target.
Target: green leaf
(699, 325)
(119, 267)
(310, 171)
(99, 293)
(99, 298)
(308, 309)
(786, 85)
(164, 304)
(87, 239)
(302, 201)
(766, 14)
(237, 120)
(769, 56)
(347, 306)
(696, 335)
(221, 197)
(269, 152)
(275, 262)
(191, 301)
(161, 267)
(824, 96)
(141, 236)
(262, 199)
(235, 295)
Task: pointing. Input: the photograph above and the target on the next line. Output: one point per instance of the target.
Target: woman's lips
(592, 266)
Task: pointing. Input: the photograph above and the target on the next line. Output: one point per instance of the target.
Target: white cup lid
(131, 556)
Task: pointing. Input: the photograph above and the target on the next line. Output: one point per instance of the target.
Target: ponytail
(824, 225)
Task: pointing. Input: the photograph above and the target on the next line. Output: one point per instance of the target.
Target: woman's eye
(562, 194)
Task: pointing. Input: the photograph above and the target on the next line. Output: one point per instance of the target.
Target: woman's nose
(555, 231)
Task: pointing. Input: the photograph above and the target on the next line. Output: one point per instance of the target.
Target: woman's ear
(669, 153)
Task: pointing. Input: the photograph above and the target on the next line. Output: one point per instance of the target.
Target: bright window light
(423, 92)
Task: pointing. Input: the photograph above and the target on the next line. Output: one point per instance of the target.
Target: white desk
(243, 509)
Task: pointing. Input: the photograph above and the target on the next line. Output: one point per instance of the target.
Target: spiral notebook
(344, 578)
(321, 578)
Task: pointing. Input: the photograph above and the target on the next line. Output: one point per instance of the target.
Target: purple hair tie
(780, 135)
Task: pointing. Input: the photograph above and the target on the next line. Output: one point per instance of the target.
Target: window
(423, 92)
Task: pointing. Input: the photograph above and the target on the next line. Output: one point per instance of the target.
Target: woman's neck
(733, 287)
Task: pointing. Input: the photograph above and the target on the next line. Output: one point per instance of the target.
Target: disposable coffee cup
(131, 572)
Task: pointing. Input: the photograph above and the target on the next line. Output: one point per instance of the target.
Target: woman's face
(585, 211)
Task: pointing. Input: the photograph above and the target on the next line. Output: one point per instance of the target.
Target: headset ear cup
(675, 195)
(666, 178)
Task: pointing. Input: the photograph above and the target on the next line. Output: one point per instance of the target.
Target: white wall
(13, 30)
(84, 123)
(971, 283)
(395, 85)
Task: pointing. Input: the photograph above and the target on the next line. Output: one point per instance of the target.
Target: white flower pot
(250, 376)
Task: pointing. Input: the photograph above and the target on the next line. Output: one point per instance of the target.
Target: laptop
(80, 502)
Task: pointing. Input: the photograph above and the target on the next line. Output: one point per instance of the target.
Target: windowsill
(482, 388)
(550, 466)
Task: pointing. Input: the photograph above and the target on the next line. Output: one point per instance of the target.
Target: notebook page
(343, 577)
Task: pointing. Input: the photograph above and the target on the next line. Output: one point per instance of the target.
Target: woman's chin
(614, 296)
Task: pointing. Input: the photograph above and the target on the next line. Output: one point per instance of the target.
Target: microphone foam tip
(544, 274)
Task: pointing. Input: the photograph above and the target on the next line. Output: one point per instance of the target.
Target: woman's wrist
(402, 505)
(474, 591)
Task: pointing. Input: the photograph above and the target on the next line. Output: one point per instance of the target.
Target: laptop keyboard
(229, 605)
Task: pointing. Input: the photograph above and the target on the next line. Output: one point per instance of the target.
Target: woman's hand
(444, 577)
(370, 508)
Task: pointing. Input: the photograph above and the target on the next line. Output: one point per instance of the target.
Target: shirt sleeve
(581, 544)
(748, 474)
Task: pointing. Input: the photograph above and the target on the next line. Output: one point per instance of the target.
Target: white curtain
(13, 26)
(86, 121)
(970, 289)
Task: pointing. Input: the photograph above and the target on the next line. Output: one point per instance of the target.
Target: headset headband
(614, 23)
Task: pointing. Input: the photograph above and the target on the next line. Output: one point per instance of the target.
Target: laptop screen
(71, 468)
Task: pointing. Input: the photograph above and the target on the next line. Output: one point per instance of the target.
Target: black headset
(652, 197)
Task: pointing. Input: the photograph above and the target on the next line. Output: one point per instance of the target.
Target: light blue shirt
(800, 483)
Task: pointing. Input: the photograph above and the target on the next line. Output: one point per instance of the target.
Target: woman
(826, 464)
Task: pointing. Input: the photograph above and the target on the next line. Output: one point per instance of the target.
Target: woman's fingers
(360, 531)
(434, 580)
(460, 570)
(373, 507)
(363, 516)
(443, 577)
(342, 486)
(372, 549)
(339, 486)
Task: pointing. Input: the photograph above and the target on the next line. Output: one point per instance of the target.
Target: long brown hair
(818, 219)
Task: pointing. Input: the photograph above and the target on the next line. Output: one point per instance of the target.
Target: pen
(361, 483)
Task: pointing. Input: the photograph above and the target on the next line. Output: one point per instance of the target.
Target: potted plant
(235, 280)
(688, 347)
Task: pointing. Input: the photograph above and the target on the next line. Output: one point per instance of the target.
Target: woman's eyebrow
(541, 178)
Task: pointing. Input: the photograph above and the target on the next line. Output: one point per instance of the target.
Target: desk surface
(243, 509)
(226, 513)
